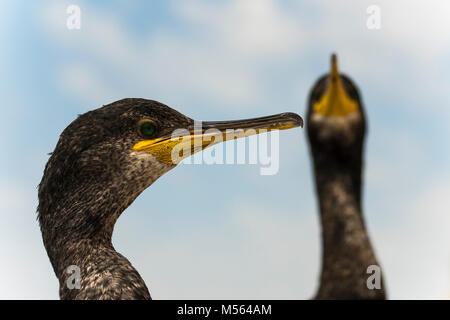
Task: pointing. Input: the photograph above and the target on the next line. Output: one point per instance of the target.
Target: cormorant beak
(185, 142)
(335, 102)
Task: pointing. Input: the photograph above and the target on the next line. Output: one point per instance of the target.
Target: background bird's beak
(185, 142)
(335, 102)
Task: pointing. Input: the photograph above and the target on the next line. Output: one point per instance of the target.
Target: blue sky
(245, 235)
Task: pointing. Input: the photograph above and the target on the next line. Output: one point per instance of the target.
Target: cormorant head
(106, 157)
(335, 120)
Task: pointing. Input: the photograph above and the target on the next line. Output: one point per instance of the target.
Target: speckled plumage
(92, 176)
(336, 145)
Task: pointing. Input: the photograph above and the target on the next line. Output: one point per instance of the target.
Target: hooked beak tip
(295, 118)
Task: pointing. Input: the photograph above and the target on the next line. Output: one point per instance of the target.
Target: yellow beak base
(335, 102)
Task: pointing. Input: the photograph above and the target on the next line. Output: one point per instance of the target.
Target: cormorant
(103, 160)
(336, 127)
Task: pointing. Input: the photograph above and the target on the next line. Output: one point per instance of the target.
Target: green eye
(147, 128)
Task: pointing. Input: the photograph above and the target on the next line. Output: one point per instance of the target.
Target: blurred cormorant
(336, 130)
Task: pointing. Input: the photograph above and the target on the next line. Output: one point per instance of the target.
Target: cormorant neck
(347, 251)
(94, 270)
(340, 209)
(85, 214)
(77, 225)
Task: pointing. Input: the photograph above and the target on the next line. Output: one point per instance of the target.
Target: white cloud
(230, 44)
(415, 250)
(407, 214)
(221, 65)
(26, 272)
(405, 155)
(252, 28)
(418, 25)
(83, 82)
(256, 253)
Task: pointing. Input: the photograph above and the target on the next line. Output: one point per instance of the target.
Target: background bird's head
(335, 119)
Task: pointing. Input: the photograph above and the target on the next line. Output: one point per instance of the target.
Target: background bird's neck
(347, 251)
(340, 207)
